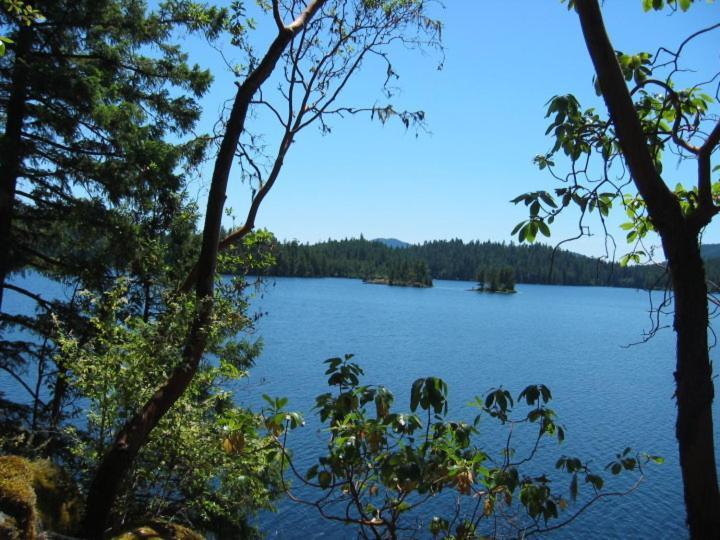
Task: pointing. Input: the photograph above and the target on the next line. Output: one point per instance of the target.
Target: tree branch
(706, 209)
(664, 207)
(276, 15)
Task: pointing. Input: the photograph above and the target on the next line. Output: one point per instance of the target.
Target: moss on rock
(36, 494)
(17, 497)
(59, 505)
(158, 530)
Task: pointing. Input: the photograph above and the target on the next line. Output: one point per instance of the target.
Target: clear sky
(485, 111)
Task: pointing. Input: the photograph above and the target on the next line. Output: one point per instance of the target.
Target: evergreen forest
(458, 260)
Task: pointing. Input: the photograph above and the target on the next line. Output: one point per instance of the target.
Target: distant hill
(710, 251)
(395, 243)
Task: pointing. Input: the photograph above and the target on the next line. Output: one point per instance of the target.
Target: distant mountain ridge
(394, 242)
(710, 251)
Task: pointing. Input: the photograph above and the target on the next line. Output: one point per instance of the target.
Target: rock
(36, 495)
(59, 505)
(17, 498)
(158, 530)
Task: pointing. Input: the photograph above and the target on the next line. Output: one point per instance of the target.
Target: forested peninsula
(456, 260)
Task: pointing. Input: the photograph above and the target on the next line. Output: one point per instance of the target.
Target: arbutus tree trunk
(694, 386)
(680, 238)
(119, 459)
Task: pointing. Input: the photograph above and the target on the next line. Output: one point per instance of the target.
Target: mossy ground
(17, 497)
(159, 531)
(36, 494)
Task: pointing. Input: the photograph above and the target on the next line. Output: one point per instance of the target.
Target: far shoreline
(454, 281)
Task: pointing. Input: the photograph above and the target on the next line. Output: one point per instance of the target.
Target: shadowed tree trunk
(10, 154)
(694, 387)
(119, 459)
(680, 238)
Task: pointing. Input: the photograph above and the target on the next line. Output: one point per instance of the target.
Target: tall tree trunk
(679, 233)
(118, 461)
(694, 388)
(11, 150)
(115, 465)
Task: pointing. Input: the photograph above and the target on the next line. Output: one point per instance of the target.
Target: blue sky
(485, 112)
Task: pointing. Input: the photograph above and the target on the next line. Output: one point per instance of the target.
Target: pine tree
(91, 187)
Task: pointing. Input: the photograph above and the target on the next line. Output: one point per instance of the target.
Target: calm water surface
(570, 338)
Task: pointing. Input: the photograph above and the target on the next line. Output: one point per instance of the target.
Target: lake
(572, 339)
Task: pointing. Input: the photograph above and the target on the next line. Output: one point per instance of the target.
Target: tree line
(458, 260)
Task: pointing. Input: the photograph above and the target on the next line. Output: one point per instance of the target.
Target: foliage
(673, 120)
(207, 460)
(97, 152)
(382, 467)
(656, 5)
(98, 189)
(23, 12)
(619, 159)
(495, 279)
(403, 272)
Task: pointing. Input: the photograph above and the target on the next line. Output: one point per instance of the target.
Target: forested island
(495, 280)
(406, 274)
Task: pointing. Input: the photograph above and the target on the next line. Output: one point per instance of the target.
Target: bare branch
(276, 15)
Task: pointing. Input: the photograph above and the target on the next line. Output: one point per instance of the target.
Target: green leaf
(311, 472)
(574, 487)
(531, 231)
(534, 208)
(547, 199)
(324, 479)
(415, 394)
(595, 480)
(544, 229)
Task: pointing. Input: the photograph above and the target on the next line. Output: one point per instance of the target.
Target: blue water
(570, 338)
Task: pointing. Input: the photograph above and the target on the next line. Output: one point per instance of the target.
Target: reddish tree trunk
(694, 388)
(117, 462)
(679, 233)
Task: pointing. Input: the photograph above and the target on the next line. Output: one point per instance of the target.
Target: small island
(403, 274)
(397, 283)
(495, 280)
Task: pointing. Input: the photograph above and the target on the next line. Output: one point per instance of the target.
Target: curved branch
(663, 205)
(276, 15)
(675, 100)
(704, 181)
(540, 530)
